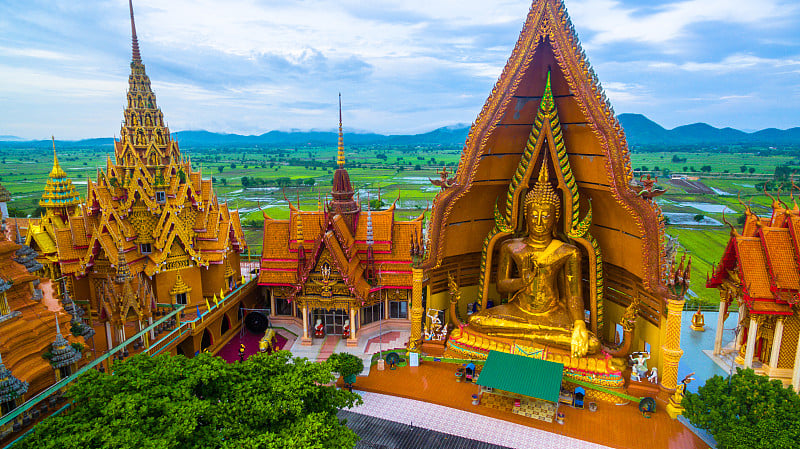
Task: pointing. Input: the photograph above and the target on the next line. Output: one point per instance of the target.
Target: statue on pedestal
(543, 274)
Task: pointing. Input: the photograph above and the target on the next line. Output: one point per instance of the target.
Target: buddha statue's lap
(543, 276)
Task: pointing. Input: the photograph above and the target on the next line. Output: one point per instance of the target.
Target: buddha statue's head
(542, 206)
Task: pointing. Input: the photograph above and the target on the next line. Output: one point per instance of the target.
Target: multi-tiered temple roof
(763, 260)
(147, 212)
(369, 250)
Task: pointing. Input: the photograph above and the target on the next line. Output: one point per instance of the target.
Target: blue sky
(250, 66)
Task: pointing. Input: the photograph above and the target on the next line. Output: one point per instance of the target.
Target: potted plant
(347, 365)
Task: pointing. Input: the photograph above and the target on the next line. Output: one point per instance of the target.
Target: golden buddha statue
(698, 321)
(547, 302)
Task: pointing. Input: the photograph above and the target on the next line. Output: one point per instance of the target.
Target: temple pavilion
(759, 272)
(548, 107)
(150, 233)
(339, 265)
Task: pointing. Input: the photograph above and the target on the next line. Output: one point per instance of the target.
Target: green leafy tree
(267, 401)
(346, 364)
(699, 217)
(751, 170)
(746, 411)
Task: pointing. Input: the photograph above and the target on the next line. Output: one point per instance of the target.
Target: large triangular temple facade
(625, 265)
(149, 226)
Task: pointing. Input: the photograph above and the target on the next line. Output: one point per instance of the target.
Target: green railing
(30, 403)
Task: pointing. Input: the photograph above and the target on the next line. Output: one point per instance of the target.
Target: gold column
(777, 339)
(352, 340)
(671, 348)
(306, 341)
(416, 310)
(750, 350)
(720, 324)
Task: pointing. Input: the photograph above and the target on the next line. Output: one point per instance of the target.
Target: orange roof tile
(753, 267)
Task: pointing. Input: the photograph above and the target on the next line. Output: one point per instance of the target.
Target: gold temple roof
(148, 200)
(59, 191)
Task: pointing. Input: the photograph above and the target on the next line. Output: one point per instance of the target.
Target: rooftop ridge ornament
(136, 56)
(340, 153)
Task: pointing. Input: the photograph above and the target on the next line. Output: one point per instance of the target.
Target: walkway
(463, 424)
(384, 434)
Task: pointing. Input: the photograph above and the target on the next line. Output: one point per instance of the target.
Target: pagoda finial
(340, 154)
(57, 171)
(58, 327)
(137, 57)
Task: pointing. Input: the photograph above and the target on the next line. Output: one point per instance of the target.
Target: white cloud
(612, 22)
(731, 63)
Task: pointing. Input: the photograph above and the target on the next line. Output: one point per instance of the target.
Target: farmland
(401, 173)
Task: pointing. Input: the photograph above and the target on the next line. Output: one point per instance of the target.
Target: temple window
(144, 248)
(65, 371)
(161, 196)
(7, 406)
(372, 313)
(398, 309)
(180, 298)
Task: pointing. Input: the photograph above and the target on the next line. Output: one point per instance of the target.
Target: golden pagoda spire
(59, 191)
(137, 57)
(57, 171)
(340, 154)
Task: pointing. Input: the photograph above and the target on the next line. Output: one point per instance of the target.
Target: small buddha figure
(698, 321)
(544, 275)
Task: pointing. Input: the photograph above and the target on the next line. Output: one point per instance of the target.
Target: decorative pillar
(671, 348)
(306, 341)
(751, 343)
(796, 370)
(152, 331)
(720, 328)
(677, 284)
(272, 308)
(352, 341)
(415, 338)
(777, 339)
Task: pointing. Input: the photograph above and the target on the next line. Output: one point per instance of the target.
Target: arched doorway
(207, 341)
(226, 325)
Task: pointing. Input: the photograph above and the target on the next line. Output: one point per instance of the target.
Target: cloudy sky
(250, 66)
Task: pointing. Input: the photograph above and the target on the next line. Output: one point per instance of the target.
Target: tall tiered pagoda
(151, 230)
(548, 117)
(759, 272)
(339, 264)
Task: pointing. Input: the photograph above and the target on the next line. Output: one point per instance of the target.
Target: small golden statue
(547, 302)
(698, 321)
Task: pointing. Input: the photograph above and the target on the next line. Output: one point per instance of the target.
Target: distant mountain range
(639, 130)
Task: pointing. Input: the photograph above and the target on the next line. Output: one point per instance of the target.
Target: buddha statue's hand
(580, 339)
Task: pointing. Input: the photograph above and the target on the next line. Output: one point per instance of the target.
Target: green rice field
(304, 177)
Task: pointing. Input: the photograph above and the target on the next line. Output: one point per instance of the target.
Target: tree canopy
(749, 411)
(267, 401)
